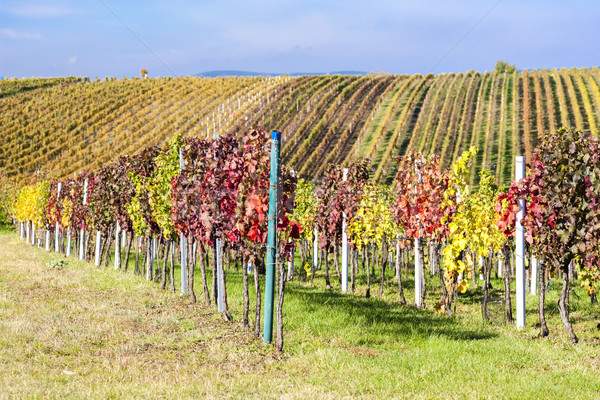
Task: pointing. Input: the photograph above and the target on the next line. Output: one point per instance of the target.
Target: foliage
(504, 67)
(306, 207)
(220, 186)
(474, 228)
(329, 211)
(253, 194)
(123, 193)
(66, 201)
(100, 200)
(336, 197)
(562, 213)
(419, 208)
(31, 203)
(141, 168)
(8, 193)
(253, 198)
(160, 185)
(80, 215)
(205, 192)
(54, 205)
(25, 203)
(373, 222)
(186, 189)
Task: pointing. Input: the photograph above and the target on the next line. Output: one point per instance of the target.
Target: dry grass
(87, 333)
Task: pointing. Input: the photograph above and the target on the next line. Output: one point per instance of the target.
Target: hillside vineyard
(60, 126)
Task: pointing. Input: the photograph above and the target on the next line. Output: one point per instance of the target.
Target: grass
(71, 330)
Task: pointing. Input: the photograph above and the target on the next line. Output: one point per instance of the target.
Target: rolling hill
(58, 126)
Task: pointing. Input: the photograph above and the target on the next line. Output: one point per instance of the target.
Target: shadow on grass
(333, 311)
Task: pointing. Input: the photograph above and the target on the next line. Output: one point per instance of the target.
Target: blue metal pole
(271, 237)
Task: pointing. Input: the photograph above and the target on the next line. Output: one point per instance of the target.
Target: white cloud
(11, 33)
(72, 60)
(41, 11)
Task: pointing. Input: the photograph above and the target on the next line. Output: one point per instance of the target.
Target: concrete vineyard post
(272, 237)
(47, 239)
(82, 231)
(218, 246)
(183, 253)
(150, 267)
(117, 246)
(500, 267)
(397, 256)
(534, 274)
(182, 243)
(520, 249)
(418, 277)
(344, 244)
(433, 265)
(98, 251)
(220, 302)
(68, 253)
(56, 232)
(315, 250)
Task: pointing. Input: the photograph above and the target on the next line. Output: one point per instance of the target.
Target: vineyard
(398, 190)
(211, 197)
(60, 126)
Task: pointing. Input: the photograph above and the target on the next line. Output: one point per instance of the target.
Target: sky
(110, 38)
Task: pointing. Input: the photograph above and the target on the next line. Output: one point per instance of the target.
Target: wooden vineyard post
(82, 231)
(344, 245)
(291, 263)
(481, 274)
(182, 244)
(272, 237)
(56, 232)
(520, 249)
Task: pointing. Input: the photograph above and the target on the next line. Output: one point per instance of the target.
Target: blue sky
(99, 38)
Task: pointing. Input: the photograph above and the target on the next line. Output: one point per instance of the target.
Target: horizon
(241, 73)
